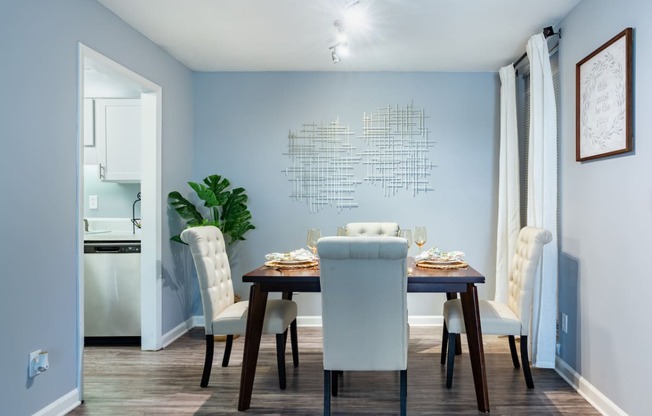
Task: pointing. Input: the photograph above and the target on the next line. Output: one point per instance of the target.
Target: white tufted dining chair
(370, 229)
(224, 316)
(511, 318)
(364, 308)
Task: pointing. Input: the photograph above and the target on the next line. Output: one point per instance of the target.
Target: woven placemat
(448, 266)
(285, 266)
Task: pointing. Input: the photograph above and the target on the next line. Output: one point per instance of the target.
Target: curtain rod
(547, 32)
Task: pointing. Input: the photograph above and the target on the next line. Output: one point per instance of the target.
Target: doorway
(150, 185)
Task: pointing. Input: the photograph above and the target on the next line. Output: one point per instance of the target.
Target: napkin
(300, 254)
(435, 254)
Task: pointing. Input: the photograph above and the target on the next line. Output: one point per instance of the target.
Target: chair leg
(208, 361)
(444, 345)
(512, 349)
(404, 392)
(451, 360)
(280, 358)
(294, 340)
(227, 350)
(334, 382)
(327, 392)
(526, 363)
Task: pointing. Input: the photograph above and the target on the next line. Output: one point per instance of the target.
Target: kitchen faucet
(135, 221)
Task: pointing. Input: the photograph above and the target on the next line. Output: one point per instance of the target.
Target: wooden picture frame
(604, 99)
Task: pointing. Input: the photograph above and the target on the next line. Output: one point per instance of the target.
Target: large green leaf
(204, 193)
(218, 185)
(185, 208)
(236, 216)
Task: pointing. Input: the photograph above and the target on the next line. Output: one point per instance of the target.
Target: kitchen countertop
(95, 236)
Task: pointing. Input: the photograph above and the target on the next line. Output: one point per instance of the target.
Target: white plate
(440, 261)
(292, 261)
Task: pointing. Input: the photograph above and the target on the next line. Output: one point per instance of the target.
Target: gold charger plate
(440, 264)
(291, 264)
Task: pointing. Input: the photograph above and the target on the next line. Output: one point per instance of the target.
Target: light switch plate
(92, 202)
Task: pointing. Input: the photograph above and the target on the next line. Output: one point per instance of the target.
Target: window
(523, 117)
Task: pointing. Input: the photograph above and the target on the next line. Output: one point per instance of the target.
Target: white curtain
(509, 213)
(542, 198)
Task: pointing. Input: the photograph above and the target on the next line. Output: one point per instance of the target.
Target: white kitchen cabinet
(117, 136)
(89, 122)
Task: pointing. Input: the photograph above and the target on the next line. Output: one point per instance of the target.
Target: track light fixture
(352, 22)
(334, 55)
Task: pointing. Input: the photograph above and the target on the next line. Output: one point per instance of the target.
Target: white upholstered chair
(370, 229)
(511, 318)
(364, 308)
(224, 316)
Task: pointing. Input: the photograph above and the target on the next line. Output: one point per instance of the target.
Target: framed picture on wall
(604, 99)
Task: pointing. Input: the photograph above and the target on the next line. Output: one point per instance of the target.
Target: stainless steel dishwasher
(112, 292)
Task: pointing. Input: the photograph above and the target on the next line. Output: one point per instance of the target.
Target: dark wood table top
(419, 279)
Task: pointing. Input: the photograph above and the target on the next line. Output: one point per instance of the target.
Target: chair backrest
(364, 302)
(523, 271)
(371, 229)
(213, 270)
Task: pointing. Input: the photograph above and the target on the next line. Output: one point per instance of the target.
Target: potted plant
(223, 208)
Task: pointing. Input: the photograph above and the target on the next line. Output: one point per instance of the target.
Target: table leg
(458, 337)
(471, 312)
(255, 319)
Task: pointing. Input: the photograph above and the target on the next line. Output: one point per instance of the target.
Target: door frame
(151, 211)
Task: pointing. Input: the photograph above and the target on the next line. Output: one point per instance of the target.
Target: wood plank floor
(127, 381)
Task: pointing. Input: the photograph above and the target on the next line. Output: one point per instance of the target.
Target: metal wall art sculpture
(322, 166)
(396, 157)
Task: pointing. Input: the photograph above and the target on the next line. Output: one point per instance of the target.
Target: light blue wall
(606, 218)
(242, 122)
(38, 181)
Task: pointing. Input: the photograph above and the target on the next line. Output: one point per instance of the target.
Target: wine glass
(407, 234)
(420, 236)
(314, 234)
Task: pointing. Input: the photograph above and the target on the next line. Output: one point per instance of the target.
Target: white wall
(38, 181)
(606, 221)
(242, 122)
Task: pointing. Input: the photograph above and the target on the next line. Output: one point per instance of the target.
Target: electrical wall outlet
(38, 362)
(92, 202)
(564, 323)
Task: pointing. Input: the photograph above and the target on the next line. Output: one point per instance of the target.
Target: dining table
(452, 281)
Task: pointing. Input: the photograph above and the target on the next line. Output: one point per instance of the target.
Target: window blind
(524, 136)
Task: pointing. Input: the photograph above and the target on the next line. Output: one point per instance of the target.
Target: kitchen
(112, 211)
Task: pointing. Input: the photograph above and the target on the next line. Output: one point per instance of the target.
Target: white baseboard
(176, 332)
(315, 321)
(426, 320)
(63, 405)
(592, 395)
(413, 320)
(198, 321)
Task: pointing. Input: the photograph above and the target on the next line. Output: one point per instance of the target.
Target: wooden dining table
(460, 281)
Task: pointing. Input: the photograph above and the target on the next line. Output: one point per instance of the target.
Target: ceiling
(295, 35)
